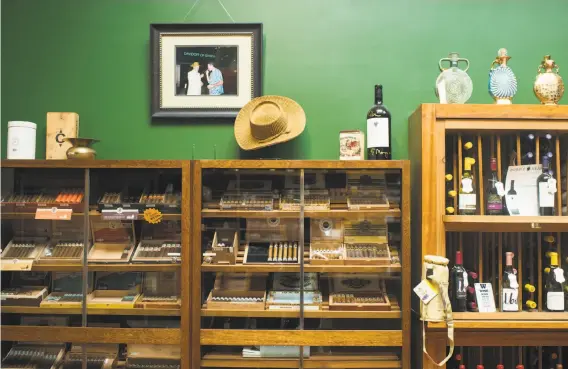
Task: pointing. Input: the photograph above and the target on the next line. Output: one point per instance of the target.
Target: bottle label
(545, 198)
(555, 301)
(559, 275)
(513, 280)
(495, 206)
(378, 132)
(467, 185)
(510, 299)
(467, 201)
(512, 205)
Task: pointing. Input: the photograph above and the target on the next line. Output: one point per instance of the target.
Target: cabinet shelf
(78, 311)
(215, 213)
(503, 223)
(254, 268)
(105, 267)
(92, 214)
(507, 321)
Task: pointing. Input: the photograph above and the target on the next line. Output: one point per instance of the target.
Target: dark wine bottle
(379, 129)
(494, 200)
(545, 187)
(555, 285)
(458, 285)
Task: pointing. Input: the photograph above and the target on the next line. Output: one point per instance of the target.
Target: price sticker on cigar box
(153, 216)
(53, 213)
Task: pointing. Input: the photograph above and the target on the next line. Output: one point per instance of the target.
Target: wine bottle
(467, 197)
(512, 200)
(510, 290)
(450, 210)
(458, 285)
(494, 200)
(546, 186)
(555, 285)
(378, 129)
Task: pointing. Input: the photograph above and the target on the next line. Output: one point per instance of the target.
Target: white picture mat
(168, 98)
(525, 177)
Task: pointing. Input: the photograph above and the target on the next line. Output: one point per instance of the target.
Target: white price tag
(500, 188)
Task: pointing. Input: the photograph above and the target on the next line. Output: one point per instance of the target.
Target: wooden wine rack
(437, 139)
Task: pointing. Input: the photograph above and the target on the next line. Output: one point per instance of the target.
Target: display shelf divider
(186, 278)
(558, 176)
(540, 269)
(500, 275)
(537, 149)
(480, 175)
(520, 267)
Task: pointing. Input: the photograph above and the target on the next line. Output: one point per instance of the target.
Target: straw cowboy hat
(195, 64)
(268, 120)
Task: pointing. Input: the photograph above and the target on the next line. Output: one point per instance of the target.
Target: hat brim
(296, 118)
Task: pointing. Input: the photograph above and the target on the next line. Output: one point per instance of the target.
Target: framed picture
(204, 70)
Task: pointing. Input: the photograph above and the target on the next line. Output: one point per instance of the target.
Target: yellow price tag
(153, 216)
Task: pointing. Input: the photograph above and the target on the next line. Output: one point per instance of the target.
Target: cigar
(285, 252)
(295, 252)
(280, 251)
(270, 249)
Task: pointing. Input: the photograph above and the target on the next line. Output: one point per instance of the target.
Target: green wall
(92, 57)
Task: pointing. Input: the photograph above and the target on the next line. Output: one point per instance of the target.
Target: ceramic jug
(548, 86)
(453, 85)
(502, 80)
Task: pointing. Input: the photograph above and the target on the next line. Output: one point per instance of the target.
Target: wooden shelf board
(235, 360)
(507, 321)
(521, 315)
(503, 223)
(92, 164)
(93, 214)
(255, 268)
(77, 311)
(215, 213)
(106, 267)
(303, 164)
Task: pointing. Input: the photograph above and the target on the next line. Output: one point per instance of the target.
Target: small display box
(238, 291)
(366, 191)
(142, 356)
(224, 247)
(66, 290)
(271, 253)
(117, 290)
(366, 243)
(26, 289)
(326, 242)
(26, 355)
(99, 356)
(316, 196)
(160, 290)
(358, 292)
(160, 243)
(134, 199)
(21, 253)
(113, 241)
(33, 199)
(285, 292)
(66, 246)
(248, 195)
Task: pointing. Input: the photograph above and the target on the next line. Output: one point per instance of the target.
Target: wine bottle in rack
(555, 282)
(496, 191)
(529, 288)
(510, 290)
(546, 187)
(458, 285)
(379, 129)
(467, 200)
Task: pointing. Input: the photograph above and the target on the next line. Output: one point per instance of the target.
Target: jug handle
(440, 63)
(542, 69)
(466, 62)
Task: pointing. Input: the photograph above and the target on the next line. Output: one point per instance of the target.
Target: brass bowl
(81, 148)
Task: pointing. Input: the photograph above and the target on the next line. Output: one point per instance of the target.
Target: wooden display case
(443, 136)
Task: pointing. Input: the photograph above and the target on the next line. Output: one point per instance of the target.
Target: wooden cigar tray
(153, 356)
(223, 256)
(112, 299)
(347, 287)
(23, 296)
(290, 300)
(327, 253)
(238, 285)
(59, 250)
(114, 242)
(110, 253)
(359, 254)
(67, 288)
(160, 290)
(104, 355)
(258, 253)
(25, 355)
(12, 260)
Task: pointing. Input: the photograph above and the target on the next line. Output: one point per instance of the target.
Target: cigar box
(21, 253)
(160, 290)
(67, 290)
(143, 356)
(366, 231)
(224, 248)
(99, 356)
(66, 245)
(26, 289)
(25, 201)
(366, 191)
(159, 243)
(313, 200)
(168, 201)
(338, 198)
(113, 241)
(238, 291)
(326, 242)
(312, 181)
(271, 253)
(358, 292)
(247, 201)
(285, 292)
(116, 290)
(272, 230)
(351, 145)
(59, 127)
(28, 355)
(67, 198)
(366, 243)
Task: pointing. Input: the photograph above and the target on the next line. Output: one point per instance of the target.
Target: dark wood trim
(92, 164)
(302, 164)
(406, 248)
(195, 261)
(503, 338)
(493, 111)
(186, 282)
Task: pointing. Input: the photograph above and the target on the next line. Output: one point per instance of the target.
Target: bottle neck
(378, 95)
(459, 259)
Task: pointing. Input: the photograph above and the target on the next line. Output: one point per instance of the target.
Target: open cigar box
(99, 356)
(159, 243)
(272, 230)
(366, 190)
(358, 292)
(224, 247)
(160, 290)
(238, 291)
(66, 245)
(271, 253)
(366, 242)
(326, 242)
(285, 292)
(32, 199)
(27, 355)
(29, 240)
(313, 200)
(118, 290)
(113, 241)
(66, 290)
(142, 356)
(26, 289)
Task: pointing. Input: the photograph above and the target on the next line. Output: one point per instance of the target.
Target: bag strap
(450, 323)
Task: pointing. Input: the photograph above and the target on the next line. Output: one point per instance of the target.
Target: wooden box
(159, 243)
(224, 248)
(99, 356)
(67, 290)
(272, 230)
(144, 356)
(59, 127)
(314, 200)
(66, 246)
(271, 253)
(367, 254)
(358, 292)
(26, 355)
(238, 291)
(326, 242)
(285, 292)
(366, 190)
(327, 253)
(113, 242)
(160, 290)
(23, 296)
(118, 290)
(367, 231)
(21, 253)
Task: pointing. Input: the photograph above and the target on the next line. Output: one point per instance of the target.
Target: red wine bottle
(545, 195)
(458, 285)
(379, 129)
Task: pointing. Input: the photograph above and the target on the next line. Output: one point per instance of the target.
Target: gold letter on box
(60, 126)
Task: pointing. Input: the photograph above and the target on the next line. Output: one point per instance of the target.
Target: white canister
(21, 140)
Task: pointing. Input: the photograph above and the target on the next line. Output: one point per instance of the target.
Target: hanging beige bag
(439, 308)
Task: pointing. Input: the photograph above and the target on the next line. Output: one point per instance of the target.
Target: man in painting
(214, 80)
(194, 82)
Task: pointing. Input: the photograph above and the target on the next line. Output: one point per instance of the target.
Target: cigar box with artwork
(238, 291)
(358, 292)
(67, 290)
(115, 290)
(366, 242)
(160, 290)
(285, 292)
(159, 243)
(366, 191)
(113, 241)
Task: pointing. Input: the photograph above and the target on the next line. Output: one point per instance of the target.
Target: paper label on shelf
(467, 201)
(555, 301)
(522, 200)
(119, 214)
(484, 297)
(509, 301)
(378, 132)
(426, 291)
(500, 188)
(545, 198)
(53, 213)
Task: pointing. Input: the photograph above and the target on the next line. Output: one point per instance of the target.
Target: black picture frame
(222, 29)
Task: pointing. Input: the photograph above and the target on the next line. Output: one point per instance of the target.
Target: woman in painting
(194, 82)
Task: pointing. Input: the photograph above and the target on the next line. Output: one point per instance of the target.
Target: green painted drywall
(92, 57)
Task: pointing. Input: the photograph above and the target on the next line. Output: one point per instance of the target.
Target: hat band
(277, 134)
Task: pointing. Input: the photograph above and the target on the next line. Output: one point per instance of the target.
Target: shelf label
(485, 298)
(53, 213)
(119, 214)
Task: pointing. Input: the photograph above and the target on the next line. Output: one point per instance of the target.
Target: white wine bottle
(467, 197)
(510, 290)
(555, 285)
